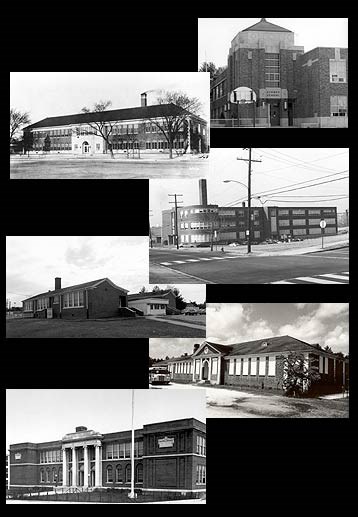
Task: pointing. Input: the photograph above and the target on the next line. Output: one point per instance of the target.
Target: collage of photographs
(180, 297)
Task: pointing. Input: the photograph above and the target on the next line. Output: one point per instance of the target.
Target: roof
(86, 285)
(139, 296)
(225, 349)
(171, 359)
(274, 344)
(266, 26)
(141, 112)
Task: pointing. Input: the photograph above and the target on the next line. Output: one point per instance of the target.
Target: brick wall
(256, 381)
(103, 301)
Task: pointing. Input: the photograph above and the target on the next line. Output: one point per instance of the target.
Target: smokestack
(203, 195)
(143, 99)
(57, 283)
(196, 346)
(243, 204)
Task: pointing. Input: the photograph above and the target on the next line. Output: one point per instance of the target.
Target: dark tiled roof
(139, 296)
(172, 359)
(69, 288)
(265, 26)
(274, 344)
(141, 112)
(222, 348)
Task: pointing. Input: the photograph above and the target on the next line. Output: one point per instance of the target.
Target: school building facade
(168, 457)
(292, 87)
(129, 129)
(257, 364)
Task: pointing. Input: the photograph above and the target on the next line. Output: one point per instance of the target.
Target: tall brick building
(256, 364)
(292, 88)
(168, 457)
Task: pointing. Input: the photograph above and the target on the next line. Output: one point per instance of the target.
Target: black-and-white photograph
(85, 125)
(262, 360)
(112, 446)
(276, 72)
(262, 216)
(94, 287)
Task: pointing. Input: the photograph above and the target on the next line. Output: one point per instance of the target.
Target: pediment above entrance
(84, 436)
(211, 349)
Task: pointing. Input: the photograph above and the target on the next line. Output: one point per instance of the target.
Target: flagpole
(131, 494)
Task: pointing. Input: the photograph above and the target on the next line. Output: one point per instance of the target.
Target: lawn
(119, 328)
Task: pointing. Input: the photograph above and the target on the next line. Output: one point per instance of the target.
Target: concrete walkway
(176, 322)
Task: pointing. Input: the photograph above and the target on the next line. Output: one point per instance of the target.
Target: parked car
(297, 239)
(186, 246)
(234, 244)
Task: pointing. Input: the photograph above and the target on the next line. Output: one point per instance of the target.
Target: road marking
(202, 258)
(337, 277)
(177, 262)
(165, 263)
(314, 280)
(218, 258)
(282, 282)
(192, 260)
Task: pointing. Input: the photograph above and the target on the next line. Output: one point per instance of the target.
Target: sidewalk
(176, 322)
(144, 158)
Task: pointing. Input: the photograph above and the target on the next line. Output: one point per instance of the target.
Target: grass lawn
(121, 328)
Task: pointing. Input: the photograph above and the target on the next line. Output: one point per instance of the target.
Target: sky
(45, 415)
(323, 323)
(190, 292)
(32, 263)
(279, 167)
(215, 34)
(159, 348)
(49, 94)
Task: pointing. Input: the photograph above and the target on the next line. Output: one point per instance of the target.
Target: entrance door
(205, 372)
(85, 148)
(275, 114)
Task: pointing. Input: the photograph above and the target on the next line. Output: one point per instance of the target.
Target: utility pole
(150, 229)
(248, 231)
(132, 493)
(175, 202)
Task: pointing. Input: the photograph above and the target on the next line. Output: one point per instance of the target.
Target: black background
(285, 467)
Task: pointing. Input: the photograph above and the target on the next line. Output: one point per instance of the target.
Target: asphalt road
(216, 267)
(94, 168)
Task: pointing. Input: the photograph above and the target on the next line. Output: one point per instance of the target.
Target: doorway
(205, 371)
(85, 148)
(275, 114)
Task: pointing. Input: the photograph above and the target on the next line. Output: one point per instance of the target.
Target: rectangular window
(128, 449)
(245, 370)
(326, 365)
(283, 212)
(238, 367)
(339, 106)
(197, 367)
(272, 366)
(298, 222)
(109, 450)
(262, 366)
(321, 361)
(298, 211)
(121, 450)
(115, 451)
(253, 366)
(337, 71)
(284, 222)
(231, 367)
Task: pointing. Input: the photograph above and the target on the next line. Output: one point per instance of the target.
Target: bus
(159, 375)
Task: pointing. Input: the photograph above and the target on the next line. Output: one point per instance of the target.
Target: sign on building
(18, 456)
(273, 93)
(165, 442)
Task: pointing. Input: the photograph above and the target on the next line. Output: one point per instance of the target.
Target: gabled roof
(86, 285)
(266, 26)
(140, 296)
(172, 359)
(223, 349)
(141, 112)
(274, 344)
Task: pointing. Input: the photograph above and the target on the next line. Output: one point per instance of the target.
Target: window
(238, 367)
(60, 479)
(128, 449)
(73, 299)
(128, 474)
(283, 212)
(245, 370)
(298, 222)
(121, 450)
(119, 474)
(109, 450)
(201, 445)
(47, 475)
(42, 303)
(214, 366)
(262, 366)
(42, 476)
(253, 366)
(314, 212)
(28, 306)
(54, 475)
(109, 474)
(299, 231)
(321, 361)
(200, 474)
(326, 365)
(284, 222)
(231, 367)
(338, 105)
(337, 71)
(115, 451)
(298, 211)
(139, 473)
(272, 366)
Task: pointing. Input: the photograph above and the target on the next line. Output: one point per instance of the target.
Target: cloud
(300, 305)
(329, 310)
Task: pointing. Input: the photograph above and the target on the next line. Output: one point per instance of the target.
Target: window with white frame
(272, 366)
(321, 364)
(253, 366)
(245, 367)
(326, 365)
(231, 367)
(42, 303)
(197, 367)
(214, 366)
(262, 366)
(200, 474)
(337, 71)
(28, 306)
(339, 105)
(238, 367)
(73, 299)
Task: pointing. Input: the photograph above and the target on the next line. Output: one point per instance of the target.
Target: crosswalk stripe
(192, 260)
(202, 258)
(282, 282)
(337, 277)
(179, 261)
(218, 258)
(165, 263)
(314, 280)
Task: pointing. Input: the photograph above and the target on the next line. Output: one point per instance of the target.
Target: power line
(301, 163)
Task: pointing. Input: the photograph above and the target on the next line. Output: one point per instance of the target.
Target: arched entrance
(205, 371)
(85, 148)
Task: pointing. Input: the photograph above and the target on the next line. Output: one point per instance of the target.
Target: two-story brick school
(168, 457)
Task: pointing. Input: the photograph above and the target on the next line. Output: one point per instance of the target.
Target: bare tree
(101, 127)
(175, 114)
(209, 67)
(17, 120)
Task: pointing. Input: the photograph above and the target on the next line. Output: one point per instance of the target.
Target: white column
(74, 467)
(85, 466)
(218, 377)
(64, 467)
(98, 467)
(209, 368)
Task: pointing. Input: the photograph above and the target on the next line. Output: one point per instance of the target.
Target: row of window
(218, 91)
(124, 450)
(120, 475)
(200, 474)
(182, 367)
(337, 71)
(51, 456)
(156, 306)
(52, 147)
(53, 132)
(253, 366)
(309, 231)
(323, 364)
(73, 299)
(51, 475)
(302, 211)
(302, 222)
(214, 366)
(339, 105)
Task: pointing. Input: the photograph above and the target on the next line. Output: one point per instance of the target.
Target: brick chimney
(80, 428)
(243, 204)
(57, 283)
(143, 99)
(203, 195)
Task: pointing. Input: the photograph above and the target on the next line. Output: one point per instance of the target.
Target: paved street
(326, 267)
(114, 169)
